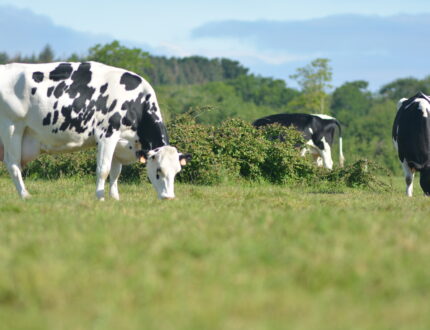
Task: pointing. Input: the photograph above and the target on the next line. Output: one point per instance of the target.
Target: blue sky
(175, 28)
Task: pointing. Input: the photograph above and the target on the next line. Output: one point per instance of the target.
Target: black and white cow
(411, 138)
(60, 107)
(318, 131)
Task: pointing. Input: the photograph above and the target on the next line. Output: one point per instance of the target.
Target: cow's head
(162, 165)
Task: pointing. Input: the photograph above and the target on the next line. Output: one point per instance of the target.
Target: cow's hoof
(115, 197)
(25, 195)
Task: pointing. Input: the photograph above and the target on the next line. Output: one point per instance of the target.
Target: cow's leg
(11, 136)
(105, 152)
(425, 181)
(409, 178)
(304, 151)
(325, 153)
(115, 171)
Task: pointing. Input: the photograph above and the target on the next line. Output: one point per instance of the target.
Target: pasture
(234, 256)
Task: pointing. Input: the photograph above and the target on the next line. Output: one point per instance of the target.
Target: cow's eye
(158, 173)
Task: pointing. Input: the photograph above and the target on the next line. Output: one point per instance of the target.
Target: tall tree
(314, 80)
(46, 55)
(351, 99)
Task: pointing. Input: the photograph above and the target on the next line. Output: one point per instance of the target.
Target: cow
(411, 138)
(68, 106)
(318, 132)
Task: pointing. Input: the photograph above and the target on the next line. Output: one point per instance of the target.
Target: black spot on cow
(55, 130)
(103, 88)
(59, 89)
(101, 104)
(72, 121)
(150, 129)
(79, 89)
(47, 120)
(38, 76)
(54, 120)
(55, 104)
(131, 81)
(114, 124)
(50, 90)
(61, 72)
(33, 90)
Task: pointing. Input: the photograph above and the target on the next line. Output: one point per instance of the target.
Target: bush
(79, 164)
(187, 136)
(233, 151)
(360, 174)
(236, 150)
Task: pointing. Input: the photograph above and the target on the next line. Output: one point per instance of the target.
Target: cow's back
(298, 120)
(70, 102)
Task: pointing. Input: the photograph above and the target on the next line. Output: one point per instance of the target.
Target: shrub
(361, 173)
(188, 136)
(233, 151)
(79, 164)
(236, 149)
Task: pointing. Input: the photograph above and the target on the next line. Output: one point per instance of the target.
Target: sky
(193, 27)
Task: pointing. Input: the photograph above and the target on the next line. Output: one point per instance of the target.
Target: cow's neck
(152, 132)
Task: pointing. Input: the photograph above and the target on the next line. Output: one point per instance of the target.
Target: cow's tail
(341, 157)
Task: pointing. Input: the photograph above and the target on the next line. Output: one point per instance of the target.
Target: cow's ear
(184, 158)
(142, 156)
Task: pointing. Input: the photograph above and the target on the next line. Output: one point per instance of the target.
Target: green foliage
(74, 164)
(350, 100)
(133, 59)
(314, 79)
(263, 91)
(236, 150)
(46, 55)
(77, 164)
(218, 98)
(405, 87)
(188, 136)
(192, 70)
(362, 173)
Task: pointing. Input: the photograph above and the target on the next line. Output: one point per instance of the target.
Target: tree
(4, 58)
(314, 80)
(351, 99)
(133, 59)
(46, 55)
(404, 87)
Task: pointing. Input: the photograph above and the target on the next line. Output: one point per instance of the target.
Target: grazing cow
(60, 107)
(411, 138)
(318, 131)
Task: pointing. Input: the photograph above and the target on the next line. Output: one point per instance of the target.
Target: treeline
(213, 90)
(159, 70)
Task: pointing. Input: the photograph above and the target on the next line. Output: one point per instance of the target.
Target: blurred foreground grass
(225, 257)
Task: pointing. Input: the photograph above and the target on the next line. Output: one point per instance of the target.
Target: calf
(411, 138)
(318, 131)
(61, 107)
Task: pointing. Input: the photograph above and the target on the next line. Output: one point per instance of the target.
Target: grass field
(226, 257)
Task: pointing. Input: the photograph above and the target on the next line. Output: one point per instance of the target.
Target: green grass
(226, 257)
